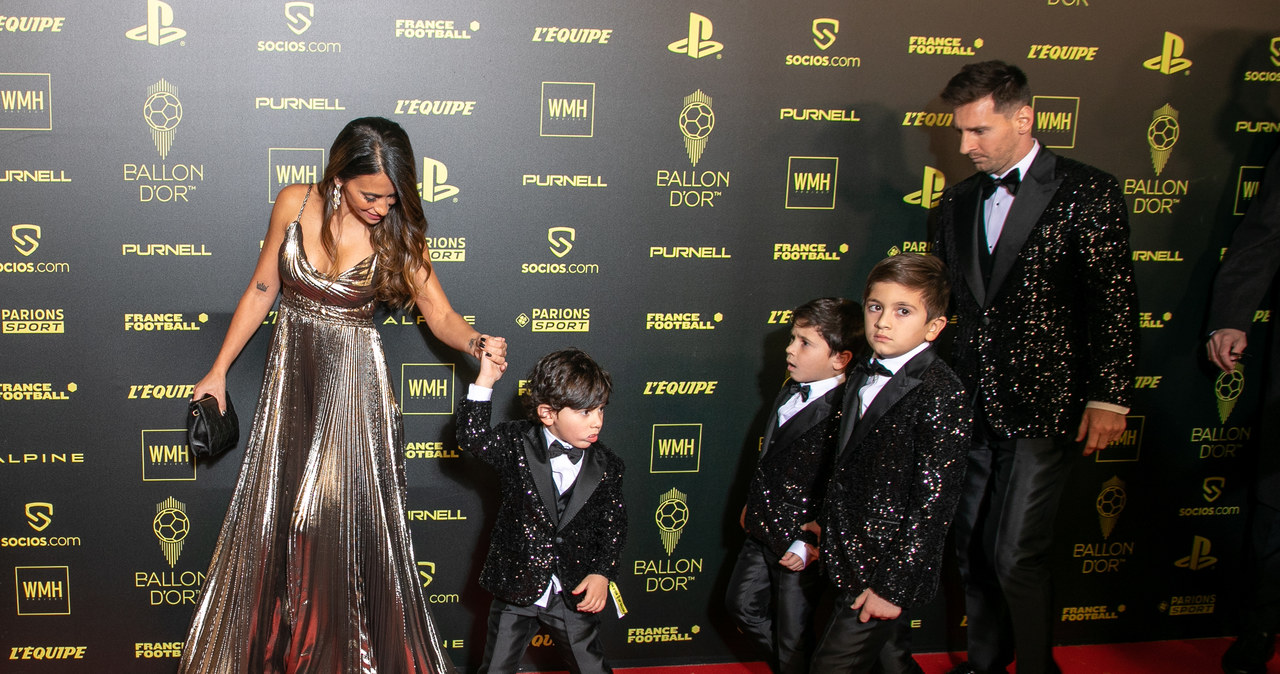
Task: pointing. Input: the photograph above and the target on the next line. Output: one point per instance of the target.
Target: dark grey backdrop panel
(554, 167)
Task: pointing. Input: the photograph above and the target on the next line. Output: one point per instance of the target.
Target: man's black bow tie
(557, 449)
(796, 387)
(1010, 182)
(873, 367)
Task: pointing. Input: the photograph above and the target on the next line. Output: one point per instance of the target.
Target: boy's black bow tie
(557, 449)
(796, 387)
(873, 367)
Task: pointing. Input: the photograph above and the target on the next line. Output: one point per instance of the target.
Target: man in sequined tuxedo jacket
(556, 540)
(1043, 291)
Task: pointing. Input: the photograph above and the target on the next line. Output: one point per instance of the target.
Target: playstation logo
(434, 185)
(930, 192)
(159, 28)
(699, 42)
(1199, 557)
(1170, 60)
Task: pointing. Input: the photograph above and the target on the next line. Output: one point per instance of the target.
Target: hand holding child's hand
(873, 607)
(596, 587)
(490, 368)
(792, 561)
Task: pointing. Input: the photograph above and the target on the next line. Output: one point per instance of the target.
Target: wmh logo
(26, 99)
(1056, 120)
(166, 456)
(426, 388)
(289, 165)
(811, 183)
(675, 448)
(568, 110)
(43, 590)
(1247, 184)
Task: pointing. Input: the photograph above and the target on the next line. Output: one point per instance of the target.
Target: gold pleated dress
(314, 569)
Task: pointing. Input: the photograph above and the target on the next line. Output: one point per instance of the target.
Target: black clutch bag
(209, 432)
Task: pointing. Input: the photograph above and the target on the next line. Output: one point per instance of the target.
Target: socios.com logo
(26, 238)
(1170, 60)
(434, 186)
(159, 28)
(299, 15)
(699, 43)
(824, 32)
(561, 240)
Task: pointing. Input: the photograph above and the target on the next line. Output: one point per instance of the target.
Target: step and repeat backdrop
(657, 183)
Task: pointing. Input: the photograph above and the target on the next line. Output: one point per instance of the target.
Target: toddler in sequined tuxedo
(774, 587)
(903, 442)
(561, 522)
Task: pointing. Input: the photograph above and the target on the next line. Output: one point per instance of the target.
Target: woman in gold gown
(314, 569)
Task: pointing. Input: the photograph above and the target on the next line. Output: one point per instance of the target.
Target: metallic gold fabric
(314, 570)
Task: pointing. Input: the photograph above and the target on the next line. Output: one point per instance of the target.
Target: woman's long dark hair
(368, 146)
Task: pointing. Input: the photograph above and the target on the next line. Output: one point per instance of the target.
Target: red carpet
(1198, 656)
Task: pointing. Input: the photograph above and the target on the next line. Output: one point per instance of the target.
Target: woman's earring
(336, 199)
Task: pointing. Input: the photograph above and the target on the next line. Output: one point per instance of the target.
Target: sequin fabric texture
(528, 542)
(792, 474)
(1060, 327)
(314, 570)
(895, 486)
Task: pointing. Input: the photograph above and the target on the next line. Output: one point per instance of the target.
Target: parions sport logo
(556, 319)
(42, 321)
(447, 248)
(435, 29)
(26, 102)
(824, 32)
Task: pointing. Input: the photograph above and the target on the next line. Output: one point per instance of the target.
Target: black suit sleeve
(491, 445)
(610, 525)
(1252, 259)
(1101, 230)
